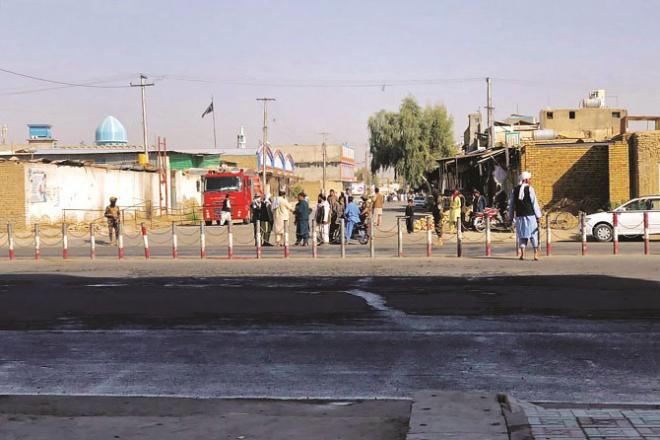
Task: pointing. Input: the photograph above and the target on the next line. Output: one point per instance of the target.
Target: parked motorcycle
(497, 222)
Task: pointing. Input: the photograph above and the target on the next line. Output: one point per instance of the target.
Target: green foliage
(297, 189)
(411, 140)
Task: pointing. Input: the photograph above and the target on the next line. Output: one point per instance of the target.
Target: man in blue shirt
(352, 215)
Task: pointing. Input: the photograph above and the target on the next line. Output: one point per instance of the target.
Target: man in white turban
(525, 211)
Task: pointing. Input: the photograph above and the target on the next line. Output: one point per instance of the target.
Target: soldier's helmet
(113, 199)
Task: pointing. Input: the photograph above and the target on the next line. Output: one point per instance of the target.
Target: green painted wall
(183, 161)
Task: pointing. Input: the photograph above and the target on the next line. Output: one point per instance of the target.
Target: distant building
(41, 135)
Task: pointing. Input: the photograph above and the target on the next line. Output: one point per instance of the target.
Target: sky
(324, 61)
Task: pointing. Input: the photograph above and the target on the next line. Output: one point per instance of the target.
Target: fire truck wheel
(208, 222)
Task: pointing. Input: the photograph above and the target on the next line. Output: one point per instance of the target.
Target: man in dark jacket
(266, 221)
(255, 214)
(302, 221)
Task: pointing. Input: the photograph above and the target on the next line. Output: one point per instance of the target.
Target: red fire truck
(240, 186)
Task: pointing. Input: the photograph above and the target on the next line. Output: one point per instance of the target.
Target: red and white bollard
(399, 238)
(257, 238)
(647, 243)
(202, 240)
(230, 241)
(286, 238)
(583, 228)
(615, 231)
(515, 238)
(315, 249)
(372, 238)
(37, 242)
(65, 241)
(145, 241)
(92, 242)
(488, 236)
(548, 236)
(175, 241)
(342, 238)
(459, 238)
(120, 241)
(10, 241)
(429, 237)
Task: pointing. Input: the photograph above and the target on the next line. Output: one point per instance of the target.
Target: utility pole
(264, 141)
(324, 153)
(489, 113)
(142, 85)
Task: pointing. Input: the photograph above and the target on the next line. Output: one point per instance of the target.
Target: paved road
(564, 338)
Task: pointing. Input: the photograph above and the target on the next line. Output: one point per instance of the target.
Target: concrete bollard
(515, 238)
(315, 250)
(258, 238)
(92, 242)
(429, 238)
(37, 242)
(342, 237)
(548, 236)
(372, 237)
(230, 241)
(145, 241)
(120, 241)
(399, 232)
(583, 231)
(175, 242)
(286, 238)
(615, 232)
(488, 236)
(10, 241)
(459, 238)
(202, 240)
(647, 243)
(65, 241)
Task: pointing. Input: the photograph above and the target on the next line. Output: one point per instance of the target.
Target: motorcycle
(497, 222)
(360, 233)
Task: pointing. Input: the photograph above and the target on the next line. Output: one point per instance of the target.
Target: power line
(63, 83)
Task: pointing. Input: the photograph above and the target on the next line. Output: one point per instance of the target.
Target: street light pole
(264, 142)
(142, 85)
(324, 153)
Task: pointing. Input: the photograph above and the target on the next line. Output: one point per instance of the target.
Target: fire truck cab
(239, 186)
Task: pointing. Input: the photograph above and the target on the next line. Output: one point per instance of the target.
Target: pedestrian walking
(281, 213)
(525, 211)
(301, 213)
(225, 215)
(113, 215)
(255, 215)
(455, 208)
(410, 216)
(379, 201)
(437, 218)
(322, 217)
(352, 216)
(266, 221)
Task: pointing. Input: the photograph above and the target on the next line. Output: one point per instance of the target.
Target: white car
(419, 201)
(631, 219)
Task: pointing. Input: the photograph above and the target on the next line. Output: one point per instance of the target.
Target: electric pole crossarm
(142, 85)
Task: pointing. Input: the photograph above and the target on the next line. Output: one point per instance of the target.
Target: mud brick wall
(572, 172)
(619, 172)
(12, 194)
(645, 163)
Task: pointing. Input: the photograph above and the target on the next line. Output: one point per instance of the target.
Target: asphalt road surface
(589, 338)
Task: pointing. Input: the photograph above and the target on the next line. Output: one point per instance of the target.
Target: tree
(411, 140)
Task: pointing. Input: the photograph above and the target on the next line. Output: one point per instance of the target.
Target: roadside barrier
(342, 238)
(258, 238)
(459, 238)
(202, 240)
(488, 237)
(92, 242)
(615, 231)
(583, 231)
(10, 241)
(65, 241)
(429, 237)
(647, 244)
(175, 241)
(37, 242)
(372, 238)
(120, 241)
(548, 236)
(286, 238)
(145, 241)
(315, 252)
(230, 241)
(399, 238)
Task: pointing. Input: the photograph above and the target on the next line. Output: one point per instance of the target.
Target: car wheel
(603, 232)
(208, 222)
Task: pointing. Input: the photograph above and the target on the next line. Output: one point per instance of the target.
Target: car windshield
(222, 184)
(642, 205)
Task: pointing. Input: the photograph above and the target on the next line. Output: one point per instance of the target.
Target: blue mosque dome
(111, 132)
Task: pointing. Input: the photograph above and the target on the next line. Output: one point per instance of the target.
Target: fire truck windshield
(223, 184)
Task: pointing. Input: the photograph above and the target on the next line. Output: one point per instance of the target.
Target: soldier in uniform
(113, 215)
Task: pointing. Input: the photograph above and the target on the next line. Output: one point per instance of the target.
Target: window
(222, 184)
(549, 115)
(571, 115)
(655, 204)
(616, 115)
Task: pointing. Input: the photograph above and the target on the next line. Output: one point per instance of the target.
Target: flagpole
(215, 141)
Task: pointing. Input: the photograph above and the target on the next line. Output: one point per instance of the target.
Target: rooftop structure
(111, 132)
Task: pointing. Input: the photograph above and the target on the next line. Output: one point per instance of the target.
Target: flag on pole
(208, 110)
